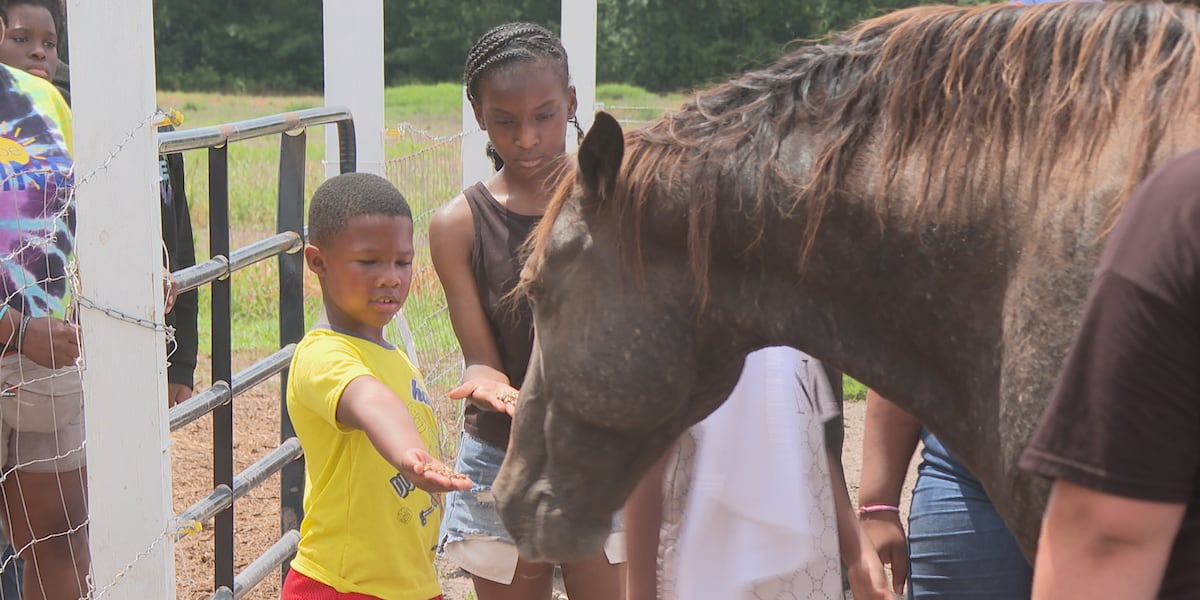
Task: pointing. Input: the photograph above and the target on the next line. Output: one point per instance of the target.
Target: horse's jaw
(557, 496)
(573, 459)
(543, 530)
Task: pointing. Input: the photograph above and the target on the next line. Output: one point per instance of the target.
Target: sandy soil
(256, 418)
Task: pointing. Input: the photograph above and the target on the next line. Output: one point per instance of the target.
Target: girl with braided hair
(518, 84)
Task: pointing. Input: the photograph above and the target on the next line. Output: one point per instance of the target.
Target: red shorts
(298, 587)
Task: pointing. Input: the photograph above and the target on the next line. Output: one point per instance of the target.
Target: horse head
(578, 444)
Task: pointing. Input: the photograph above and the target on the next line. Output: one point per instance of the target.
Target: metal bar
(193, 518)
(288, 242)
(266, 466)
(202, 273)
(219, 135)
(222, 496)
(266, 562)
(222, 393)
(199, 405)
(222, 360)
(263, 369)
(222, 593)
(290, 217)
(347, 159)
(220, 267)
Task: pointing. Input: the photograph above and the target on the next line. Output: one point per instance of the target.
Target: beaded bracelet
(874, 508)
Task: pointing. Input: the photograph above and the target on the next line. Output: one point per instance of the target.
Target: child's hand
(170, 291)
(887, 536)
(488, 394)
(867, 578)
(50, 342)
(431, 474)
(177, 393)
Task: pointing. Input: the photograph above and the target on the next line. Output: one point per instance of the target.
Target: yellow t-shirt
(366, 528)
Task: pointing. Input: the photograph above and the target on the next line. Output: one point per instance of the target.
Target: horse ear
(600, 157)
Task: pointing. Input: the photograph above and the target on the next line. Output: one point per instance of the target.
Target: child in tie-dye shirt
(41, 404)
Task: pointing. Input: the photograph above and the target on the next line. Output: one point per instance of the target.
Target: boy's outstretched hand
(488, 394)
(431, 474)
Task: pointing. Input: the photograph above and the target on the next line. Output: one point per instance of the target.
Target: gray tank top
(496, 262)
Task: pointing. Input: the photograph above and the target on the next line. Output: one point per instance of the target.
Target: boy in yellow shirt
(372, 498)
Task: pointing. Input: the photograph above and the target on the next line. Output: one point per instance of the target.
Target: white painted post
(353, 35)
(476, 166)
(579, 38)
(119, 245)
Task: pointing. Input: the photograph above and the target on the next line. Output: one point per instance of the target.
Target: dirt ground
(256, 422)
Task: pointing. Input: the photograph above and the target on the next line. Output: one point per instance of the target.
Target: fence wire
(427, 168)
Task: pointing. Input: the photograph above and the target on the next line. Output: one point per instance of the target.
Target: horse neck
(914, 312)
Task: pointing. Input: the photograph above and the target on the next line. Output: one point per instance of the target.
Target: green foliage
(428, 40)
(852, 390)
(266, 45)
(659, 45)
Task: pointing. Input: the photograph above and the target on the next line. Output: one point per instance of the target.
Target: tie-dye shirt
(37, 211)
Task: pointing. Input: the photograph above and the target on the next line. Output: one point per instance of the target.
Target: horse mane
(964, 93)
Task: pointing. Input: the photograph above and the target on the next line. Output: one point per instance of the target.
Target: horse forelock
(981, 99)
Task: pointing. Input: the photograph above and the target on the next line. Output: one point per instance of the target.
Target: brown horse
(919, 201)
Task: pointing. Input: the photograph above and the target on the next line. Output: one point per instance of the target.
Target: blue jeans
(958, 546)
(10, 576)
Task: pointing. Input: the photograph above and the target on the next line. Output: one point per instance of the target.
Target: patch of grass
(302, 103)
(436, 108)
(852, 390)
(631, 104)
(623, 93)
(202, 109)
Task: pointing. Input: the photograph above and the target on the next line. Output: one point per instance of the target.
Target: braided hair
(510, 44)
(54, 7)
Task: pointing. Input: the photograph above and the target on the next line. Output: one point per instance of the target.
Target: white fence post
(579, 38)
(353, 35)
(476, 166)
(119, 245)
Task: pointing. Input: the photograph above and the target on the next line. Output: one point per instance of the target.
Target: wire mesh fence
(427, 168)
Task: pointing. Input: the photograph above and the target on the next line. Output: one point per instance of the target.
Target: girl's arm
(369, 405)
(863, 568)
(643, 522)
(451, 237)
(1098, 545)
(890, 436)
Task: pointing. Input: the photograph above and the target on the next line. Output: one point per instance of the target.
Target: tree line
(660, 45)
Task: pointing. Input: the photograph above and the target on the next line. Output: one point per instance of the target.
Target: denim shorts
(470, 516)
(473, 512)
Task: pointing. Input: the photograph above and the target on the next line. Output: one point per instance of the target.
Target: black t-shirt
(1125, 415)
